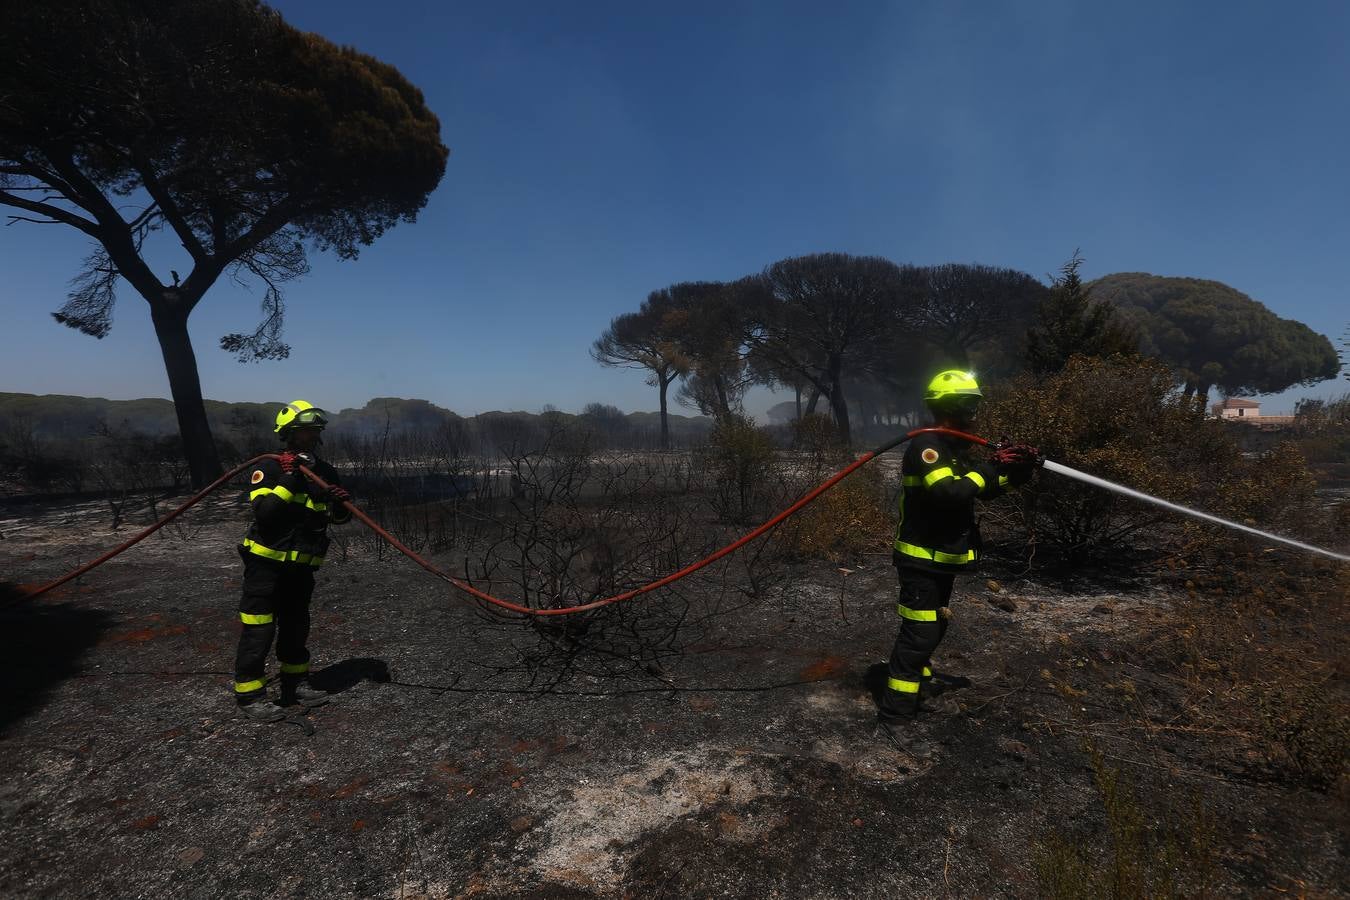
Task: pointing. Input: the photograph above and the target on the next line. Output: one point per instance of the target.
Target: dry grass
(1259, 646)
(847, 521)
(1136, 860)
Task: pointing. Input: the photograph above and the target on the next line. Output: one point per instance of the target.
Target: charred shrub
(31, 461)
(818, 436)
(1322, 431)
(578, 527)
(129, 467)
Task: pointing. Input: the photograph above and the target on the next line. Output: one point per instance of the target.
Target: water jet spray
(1060, 469)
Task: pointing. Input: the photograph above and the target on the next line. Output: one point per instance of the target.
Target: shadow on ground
(42, 644)
(348, 673)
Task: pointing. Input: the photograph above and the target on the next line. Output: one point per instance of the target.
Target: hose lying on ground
(497, 601)
(647, 588)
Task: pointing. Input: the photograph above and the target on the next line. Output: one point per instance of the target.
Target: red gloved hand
(287, 460)
(1016, 455)
(339, 494)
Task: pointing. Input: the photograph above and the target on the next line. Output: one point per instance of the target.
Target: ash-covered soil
(747, 765)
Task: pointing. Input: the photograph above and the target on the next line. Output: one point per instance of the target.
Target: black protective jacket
(289, 525)
(937, 531)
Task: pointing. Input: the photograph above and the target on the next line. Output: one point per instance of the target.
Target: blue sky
(600, 151)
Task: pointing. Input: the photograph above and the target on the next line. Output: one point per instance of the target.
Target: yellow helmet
(300, 412)
(951, 384)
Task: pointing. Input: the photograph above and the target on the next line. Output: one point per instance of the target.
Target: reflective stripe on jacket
(289, 525)
(936, 530)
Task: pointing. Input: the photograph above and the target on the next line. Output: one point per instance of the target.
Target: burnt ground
(746, 766)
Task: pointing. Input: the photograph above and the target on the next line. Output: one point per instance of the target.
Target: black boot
(897, 708)
(297, 691)
(896, 727)
(262, 710)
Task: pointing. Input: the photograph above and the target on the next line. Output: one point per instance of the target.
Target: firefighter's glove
(339, 494)
(1016, 461)
(287, 460)
(1017, 455)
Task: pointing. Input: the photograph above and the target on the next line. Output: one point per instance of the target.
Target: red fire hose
(497, 601)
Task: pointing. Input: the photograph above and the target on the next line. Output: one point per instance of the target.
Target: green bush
(1124, 420)
(739, 459)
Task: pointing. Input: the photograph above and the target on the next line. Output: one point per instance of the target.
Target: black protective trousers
(923, 600)
(274, 605)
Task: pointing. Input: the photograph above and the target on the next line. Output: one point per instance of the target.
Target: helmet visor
(961, 405)
(313, 418)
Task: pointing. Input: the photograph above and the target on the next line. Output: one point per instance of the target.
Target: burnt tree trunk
(838, 405)
(723, 401)
(1202, 397)
(664, 382)
(184, 384)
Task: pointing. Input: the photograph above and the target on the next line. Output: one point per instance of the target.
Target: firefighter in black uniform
(936, 537)
(284, 546)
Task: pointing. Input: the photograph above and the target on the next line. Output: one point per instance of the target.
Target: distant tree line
(832, 328)
(859, 335)
(599, 425)
(50, 435)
